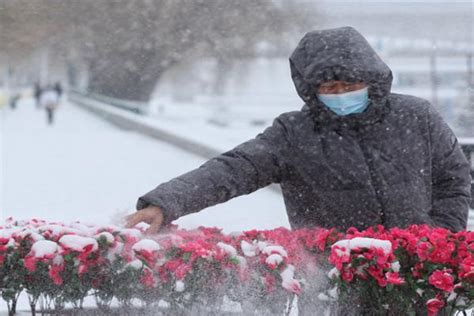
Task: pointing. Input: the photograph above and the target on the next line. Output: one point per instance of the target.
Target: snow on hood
(337, 54)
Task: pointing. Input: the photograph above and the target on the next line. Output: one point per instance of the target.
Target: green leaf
(234, 260)
(186, 257)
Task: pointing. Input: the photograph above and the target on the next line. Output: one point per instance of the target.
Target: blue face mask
(346, 103)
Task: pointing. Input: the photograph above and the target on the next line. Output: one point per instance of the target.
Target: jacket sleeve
(242, 170)
(451, 178)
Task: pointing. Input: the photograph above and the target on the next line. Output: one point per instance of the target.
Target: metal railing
(141, 108)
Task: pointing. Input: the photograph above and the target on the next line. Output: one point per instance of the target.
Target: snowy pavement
(83, 168)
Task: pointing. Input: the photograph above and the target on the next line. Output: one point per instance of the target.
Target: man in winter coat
(354, 155)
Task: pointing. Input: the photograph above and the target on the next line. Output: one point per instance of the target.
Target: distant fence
(131, 106)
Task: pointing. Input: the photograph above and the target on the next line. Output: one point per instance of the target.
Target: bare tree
(129, 44)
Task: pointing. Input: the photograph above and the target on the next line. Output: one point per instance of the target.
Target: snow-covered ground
(83, 168)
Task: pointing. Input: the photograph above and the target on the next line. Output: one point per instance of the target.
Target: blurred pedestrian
(49, 99)
(59, 89)
(15, 97)
(37, 94)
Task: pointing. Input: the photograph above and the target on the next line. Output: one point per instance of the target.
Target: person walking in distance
(49, 99)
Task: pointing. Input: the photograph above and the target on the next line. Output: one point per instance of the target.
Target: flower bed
(258, 272)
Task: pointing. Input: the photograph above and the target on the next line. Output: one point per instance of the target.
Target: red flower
(466, 268)
(442, 280)
(347, 274)
(394, 278)
(339, 256)
(30, 263)
(434, 305)
(54, 274)
(270, 282)
(148, 279)
(377, 274)
(424, 250)
(83, 268)
(182, 270)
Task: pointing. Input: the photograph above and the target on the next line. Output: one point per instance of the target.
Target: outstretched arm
(242, 170)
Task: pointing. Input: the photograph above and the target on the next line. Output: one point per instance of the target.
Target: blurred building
(429, 59)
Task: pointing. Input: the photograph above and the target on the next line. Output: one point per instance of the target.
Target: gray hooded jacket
(395, 164)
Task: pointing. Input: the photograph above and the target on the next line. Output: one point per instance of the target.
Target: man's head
(329, 62)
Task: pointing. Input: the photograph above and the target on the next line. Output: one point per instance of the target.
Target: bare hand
(151, 215)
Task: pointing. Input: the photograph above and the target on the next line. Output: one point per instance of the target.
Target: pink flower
(377, 274)
(394, 278)
(182, 270)
(424, 250)
(30, 263)
(434, 305)
(466, 268)
(442, 280)
(270, 282)
(147, 279)
(293, 286)
(339, 256)
(347, 274)
(55, 274)
(83, 268)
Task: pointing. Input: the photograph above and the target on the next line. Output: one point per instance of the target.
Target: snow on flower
(135, 264)
(142, 226)
(131, 234)
(28, 233)
(396, 266)
(333, 273)
(231, 251)
(44, 249)
(146, 245)
(78, 243)
(261, 245)
(249, 250)
(269, 250)
(288, 281)
(273, 260)
(179, 286)
(55, 231)
(363, 242)
(108, 237)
